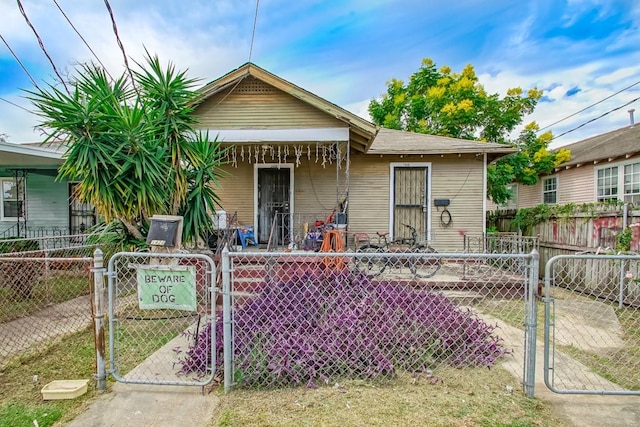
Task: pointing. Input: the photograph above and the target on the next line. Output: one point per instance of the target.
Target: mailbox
(165, 231)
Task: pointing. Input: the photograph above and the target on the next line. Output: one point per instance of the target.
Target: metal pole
(337, 175)
(465, 242)
(531, 321)
(98, 317)
(623, 277)
(226, 318)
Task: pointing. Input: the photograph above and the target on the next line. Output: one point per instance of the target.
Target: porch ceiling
(25, 156)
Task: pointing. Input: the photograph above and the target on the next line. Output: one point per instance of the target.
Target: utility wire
(596, 118)
(20, 62)
(124, 54)
(590, 106)
(16, 105)
(82, 38)
(253, 33)
(40, 42)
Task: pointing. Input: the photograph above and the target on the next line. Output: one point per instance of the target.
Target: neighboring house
(603, 167)
(32, 202)
(294, 157)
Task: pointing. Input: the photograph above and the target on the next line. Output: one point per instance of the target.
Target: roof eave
(30, 151)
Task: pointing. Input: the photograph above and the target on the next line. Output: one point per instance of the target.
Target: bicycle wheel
(370, 266)
(427, 265)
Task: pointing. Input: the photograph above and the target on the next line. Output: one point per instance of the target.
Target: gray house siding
(46, 201)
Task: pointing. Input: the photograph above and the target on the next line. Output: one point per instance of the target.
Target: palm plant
(133, 147)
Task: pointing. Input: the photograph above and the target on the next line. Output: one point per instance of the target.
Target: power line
(41, 43)
(124, 54)
(590, 106)
(253, 33)
(15, 105)
(20, 62)
(596, 118)
(82, 38)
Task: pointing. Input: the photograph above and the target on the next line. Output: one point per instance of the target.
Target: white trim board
(280, 135)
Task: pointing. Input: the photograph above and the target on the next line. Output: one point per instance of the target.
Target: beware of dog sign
(163, 287)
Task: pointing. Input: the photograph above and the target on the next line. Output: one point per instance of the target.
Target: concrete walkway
(576, 410)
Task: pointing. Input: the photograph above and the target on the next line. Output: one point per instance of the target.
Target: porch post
(348, 177)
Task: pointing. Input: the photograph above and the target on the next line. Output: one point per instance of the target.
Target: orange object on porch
(333, 241)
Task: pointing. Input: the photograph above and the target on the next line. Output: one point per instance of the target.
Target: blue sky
(577, 51)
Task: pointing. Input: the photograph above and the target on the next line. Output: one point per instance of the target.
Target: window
(11, 198)
(550, 190)
(632, 183)
(607, 184)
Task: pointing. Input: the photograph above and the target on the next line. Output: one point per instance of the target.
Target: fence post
(226, 318)
(623, 278)
(531, 325)
(98, 316)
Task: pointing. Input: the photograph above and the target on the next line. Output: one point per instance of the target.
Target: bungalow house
(602, 168)
(293, 158)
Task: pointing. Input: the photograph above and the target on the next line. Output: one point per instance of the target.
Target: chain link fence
(592, 324)
(45, 287)
(316, 318)
(160, 309)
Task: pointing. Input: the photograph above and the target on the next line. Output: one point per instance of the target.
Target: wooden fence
(578, 233)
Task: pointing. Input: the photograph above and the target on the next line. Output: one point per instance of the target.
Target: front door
(274, 204)
(410, 200)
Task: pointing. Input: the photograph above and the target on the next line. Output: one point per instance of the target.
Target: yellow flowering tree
(441, 102)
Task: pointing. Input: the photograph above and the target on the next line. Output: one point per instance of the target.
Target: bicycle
(420, 267)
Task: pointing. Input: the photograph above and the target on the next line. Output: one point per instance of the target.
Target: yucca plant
(132, 145)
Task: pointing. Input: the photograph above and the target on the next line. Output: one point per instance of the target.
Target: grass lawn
(72, 357)
(21, 381)
(479, 397)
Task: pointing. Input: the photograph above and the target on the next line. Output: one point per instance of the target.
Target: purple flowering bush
(319, 326)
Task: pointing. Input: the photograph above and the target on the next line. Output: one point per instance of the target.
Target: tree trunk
(132, 229)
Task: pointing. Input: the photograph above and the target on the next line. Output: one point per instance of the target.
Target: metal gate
(592, 324)
(161, 310)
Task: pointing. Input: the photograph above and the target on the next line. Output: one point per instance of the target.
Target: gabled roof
(620, 143)
(362, 129)
(390, 141)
